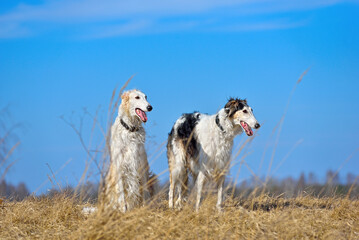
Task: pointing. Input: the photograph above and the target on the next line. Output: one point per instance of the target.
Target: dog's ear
(125, 101)
(125, 96)
(231, 107)
(227, 110)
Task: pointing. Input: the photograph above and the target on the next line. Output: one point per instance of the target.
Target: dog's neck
(131, 123)
(225, 125)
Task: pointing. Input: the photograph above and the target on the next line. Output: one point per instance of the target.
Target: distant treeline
(287, 188)
(304, 185)
(9, 191)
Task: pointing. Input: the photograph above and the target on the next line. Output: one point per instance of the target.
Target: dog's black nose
(257, 126)
(149, 108)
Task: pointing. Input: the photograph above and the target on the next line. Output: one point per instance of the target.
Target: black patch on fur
(185, 132)
(233, 105)
(219, 124)
(185, 129)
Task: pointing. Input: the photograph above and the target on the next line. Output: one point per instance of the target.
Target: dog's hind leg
(182, 188)
(144, 173)
(121, 195)
(171, 191)
(194, 168)
(171, 162)
(178, 175)
(177, 181)
(145, 188)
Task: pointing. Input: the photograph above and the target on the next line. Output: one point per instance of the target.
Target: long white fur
(215, 148)
(127, 179)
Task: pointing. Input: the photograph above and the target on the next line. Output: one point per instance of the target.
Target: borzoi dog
(128, 175)
(202, 144)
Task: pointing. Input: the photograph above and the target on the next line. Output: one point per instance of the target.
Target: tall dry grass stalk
(9, 141)
(278, 128)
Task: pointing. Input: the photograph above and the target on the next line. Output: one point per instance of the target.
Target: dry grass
(262, 217)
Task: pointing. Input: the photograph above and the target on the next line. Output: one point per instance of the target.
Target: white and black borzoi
(128, 175)
(202, 144)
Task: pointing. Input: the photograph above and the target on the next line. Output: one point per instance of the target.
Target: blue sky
(57, 57)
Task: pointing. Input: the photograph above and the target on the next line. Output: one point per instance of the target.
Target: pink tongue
(249, 131)
(142, 115)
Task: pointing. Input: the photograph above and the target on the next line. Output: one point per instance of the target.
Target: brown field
(263, 217)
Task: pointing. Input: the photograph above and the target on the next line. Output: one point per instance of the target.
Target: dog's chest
(128, 143)
(132, 141)
(128, 150)
(213, 144)
(133, 138)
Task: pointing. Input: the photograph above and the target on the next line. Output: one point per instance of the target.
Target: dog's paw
(179, 204)
(89, 210)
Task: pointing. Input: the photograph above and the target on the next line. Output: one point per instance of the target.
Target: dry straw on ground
(261, 217)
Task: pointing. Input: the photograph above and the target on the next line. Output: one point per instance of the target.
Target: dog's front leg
(200, 181)
(220, 184)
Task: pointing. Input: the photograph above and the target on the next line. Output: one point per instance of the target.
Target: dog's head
(135, 104)
(241, 114)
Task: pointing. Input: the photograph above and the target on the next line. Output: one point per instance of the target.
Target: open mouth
(247, 128)
(141, 114)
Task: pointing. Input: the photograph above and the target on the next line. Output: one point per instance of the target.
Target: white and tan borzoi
(202, 144)
(128, 175)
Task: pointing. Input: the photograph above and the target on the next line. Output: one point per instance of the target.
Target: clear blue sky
(57, 57)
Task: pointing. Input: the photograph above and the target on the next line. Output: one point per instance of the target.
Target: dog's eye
(137, 97)
(245, 111)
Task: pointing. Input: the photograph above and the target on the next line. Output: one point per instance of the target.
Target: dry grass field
(263, 217)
